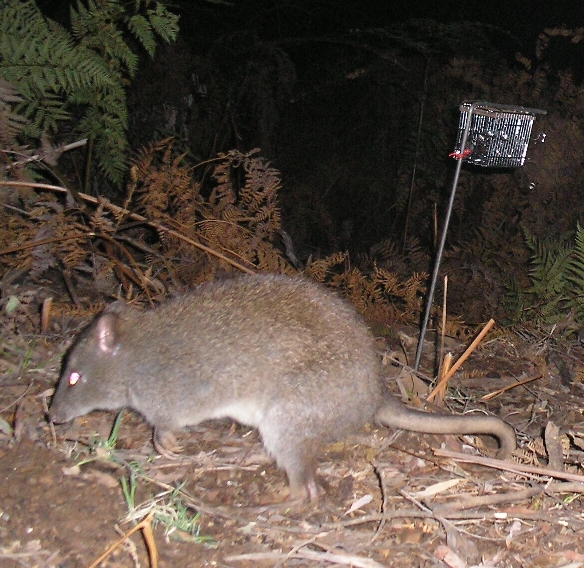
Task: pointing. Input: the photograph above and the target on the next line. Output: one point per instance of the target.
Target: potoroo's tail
(396, 415)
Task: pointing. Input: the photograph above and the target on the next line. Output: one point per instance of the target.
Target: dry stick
(446, 360)
(39, 157)
(444, 308)
(34, 244)
(346, 559)
(46, 314)
(294, 550)
(457, 516)
(19, 556)
(462, 358)
(510, 466)
(224, 512)
(438, 399)
(146, 526)
(227, 513)
(448, 526)
(133, 216)
(509, 387)
(444, 509)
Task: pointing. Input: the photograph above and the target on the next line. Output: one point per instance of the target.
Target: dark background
(356, 103)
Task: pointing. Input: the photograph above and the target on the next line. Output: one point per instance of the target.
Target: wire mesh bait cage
(498, 135)
(489, 135)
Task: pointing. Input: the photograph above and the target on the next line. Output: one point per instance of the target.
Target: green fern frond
(549, 264)
(158, 21)
(164, 23)
(112, 142)
(95, 27)
(52, 69)
(576, 275)
(577, 264)
(43, 114)
(556, 286)
(142, 29)
(513, 300)
(11, 124)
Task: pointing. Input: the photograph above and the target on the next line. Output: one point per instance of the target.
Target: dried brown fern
(179, 228)
(163, 186)
(235, 214)
(378, 295)
(320, 268)
(574, 35)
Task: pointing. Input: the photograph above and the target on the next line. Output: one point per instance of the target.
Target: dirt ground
(390, 500)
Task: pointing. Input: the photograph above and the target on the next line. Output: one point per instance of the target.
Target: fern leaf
(52, 69)
(142, 29)
(164, 23)
(11, 124)
(576, 275)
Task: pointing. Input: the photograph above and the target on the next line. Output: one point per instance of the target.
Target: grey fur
(281, 354)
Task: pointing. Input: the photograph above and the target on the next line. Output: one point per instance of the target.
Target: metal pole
(442, 241)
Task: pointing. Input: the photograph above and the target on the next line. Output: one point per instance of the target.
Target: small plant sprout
(179, 520)
(104, 449)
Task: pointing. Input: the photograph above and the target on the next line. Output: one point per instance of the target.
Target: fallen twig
(344, 559)
(135, 217)
(510, 466)
(474, 502)
(508, 387)
(440, 386)
(146, 527)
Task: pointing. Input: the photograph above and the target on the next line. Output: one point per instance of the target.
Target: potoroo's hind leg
(296, 456)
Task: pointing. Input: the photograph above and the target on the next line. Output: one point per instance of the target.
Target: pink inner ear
(73, 378)
(107, 333)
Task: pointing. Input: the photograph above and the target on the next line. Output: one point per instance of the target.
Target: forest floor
(390, 499)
